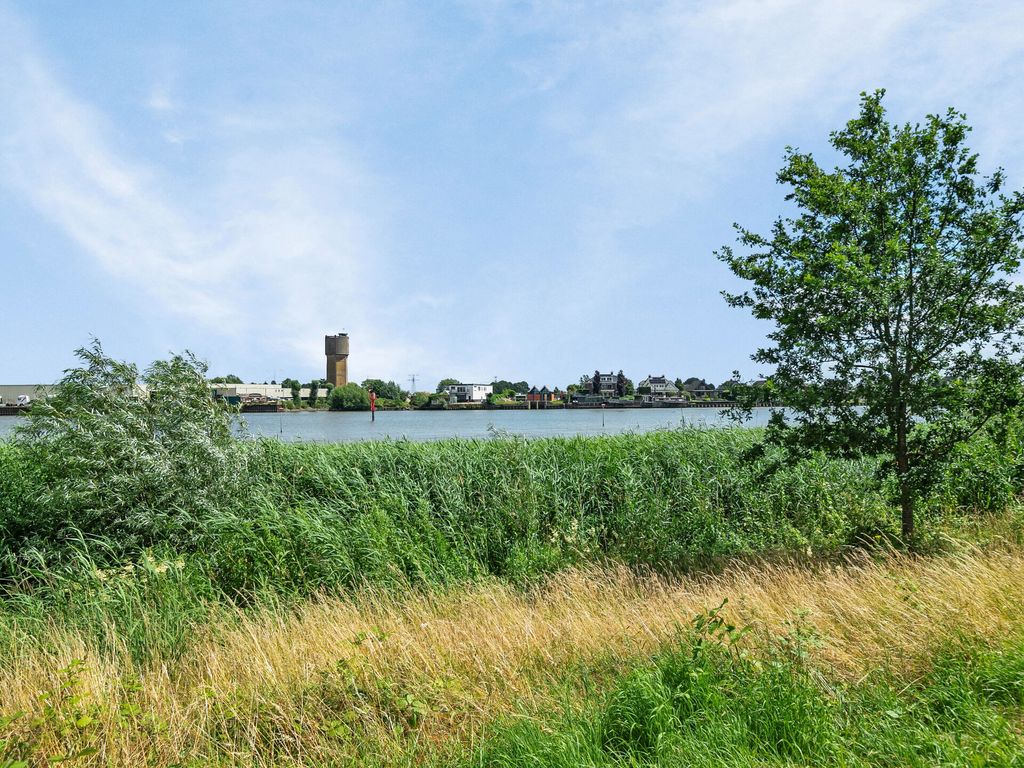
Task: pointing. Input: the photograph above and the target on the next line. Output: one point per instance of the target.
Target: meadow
(175, 595)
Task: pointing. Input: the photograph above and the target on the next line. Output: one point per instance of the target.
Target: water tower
(336, 349)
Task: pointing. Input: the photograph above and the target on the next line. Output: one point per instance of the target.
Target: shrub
(135, 460)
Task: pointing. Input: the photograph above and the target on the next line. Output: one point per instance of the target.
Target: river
(331, 427)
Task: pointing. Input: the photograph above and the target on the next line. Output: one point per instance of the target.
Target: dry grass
(376, 671)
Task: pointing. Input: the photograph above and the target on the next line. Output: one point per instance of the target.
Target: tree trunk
(903, 476)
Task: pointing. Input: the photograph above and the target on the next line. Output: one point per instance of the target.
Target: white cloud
(658, 102)
(253, 212)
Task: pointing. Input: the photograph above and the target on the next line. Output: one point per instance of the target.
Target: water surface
(331, 427)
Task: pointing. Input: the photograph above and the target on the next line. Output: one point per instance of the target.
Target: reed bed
(379, 676)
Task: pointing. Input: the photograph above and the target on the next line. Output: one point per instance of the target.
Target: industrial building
(235, 392)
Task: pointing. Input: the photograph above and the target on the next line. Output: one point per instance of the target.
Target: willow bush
(137, 460)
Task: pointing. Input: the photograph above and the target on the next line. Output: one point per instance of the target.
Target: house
(542, 395)
(468, 393)
(657, 388)
(698, 389)
(604, 384)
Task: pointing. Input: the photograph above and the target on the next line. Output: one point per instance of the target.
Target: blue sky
(469, 189)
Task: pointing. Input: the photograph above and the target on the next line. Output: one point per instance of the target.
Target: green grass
(709, 705)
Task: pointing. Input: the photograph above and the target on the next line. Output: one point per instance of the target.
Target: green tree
(350, 397)
(891, 290)
(385, 389)
(295, 387)
(445, 383)
(229, 379)
(419, 399)
(623, 386)
(315, 388)
(517, 387)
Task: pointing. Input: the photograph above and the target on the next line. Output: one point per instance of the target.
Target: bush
(135, 460)
(350, 397)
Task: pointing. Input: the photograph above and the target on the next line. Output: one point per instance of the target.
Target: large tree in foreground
(897, 321)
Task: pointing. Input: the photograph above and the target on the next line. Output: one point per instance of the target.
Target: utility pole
(412, 382)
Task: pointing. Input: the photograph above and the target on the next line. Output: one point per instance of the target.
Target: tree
(294, 386)
(385, 389)
(595, 383)
(350, 397)
(229, 379)
(623, 386)
(517, 387)
(443, 383)
(419, 399)
(314, 391)
(890, 290)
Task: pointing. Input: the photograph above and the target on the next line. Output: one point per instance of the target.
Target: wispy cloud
(270, 246)
(660, 104)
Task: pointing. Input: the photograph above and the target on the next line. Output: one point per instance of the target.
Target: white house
(468, 393)
(660, 387)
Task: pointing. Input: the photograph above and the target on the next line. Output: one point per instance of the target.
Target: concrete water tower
(336, 349)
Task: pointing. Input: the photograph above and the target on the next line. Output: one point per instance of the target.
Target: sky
(470, 190)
